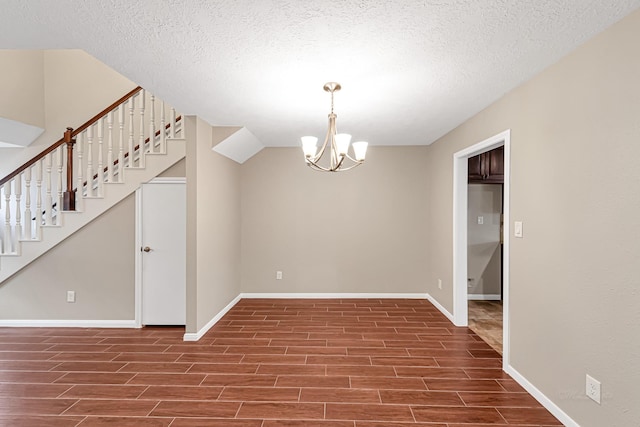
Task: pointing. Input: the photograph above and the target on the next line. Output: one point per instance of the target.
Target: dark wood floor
(292, 363)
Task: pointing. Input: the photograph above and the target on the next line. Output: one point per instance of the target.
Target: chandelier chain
(331, 102)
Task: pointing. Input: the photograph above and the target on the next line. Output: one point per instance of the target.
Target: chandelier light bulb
(360, 150)
(309, 146)
(342, 143)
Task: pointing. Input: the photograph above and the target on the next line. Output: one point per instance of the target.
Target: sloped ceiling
(410, 70)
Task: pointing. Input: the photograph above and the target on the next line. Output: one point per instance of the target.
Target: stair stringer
(30, 250)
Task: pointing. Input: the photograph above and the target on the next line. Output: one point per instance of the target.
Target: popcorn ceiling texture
(410, 70)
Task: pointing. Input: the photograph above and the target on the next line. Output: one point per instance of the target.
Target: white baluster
(110, 146)
(17, 184)
(26, 231)
(141, 147)
(163, 130)
(48, 199)
(7, 219)
(90, 161)
(132, 105)
(152, 125)
(172, 134)
(121, 144)
(59, 160)
(38, 198)
(100, 179)
(80, 172)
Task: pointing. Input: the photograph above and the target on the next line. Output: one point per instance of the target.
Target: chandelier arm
(349, 167)
(338, 168)
(352, 159)
(318, 156)
(327, 138)
(317, 167)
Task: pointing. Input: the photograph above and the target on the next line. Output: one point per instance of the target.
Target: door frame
(460, 212)
(138, 242)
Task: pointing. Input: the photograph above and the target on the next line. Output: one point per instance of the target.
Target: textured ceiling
(410, 70)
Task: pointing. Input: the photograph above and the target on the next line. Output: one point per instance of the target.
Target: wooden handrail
(106, 110)
(62, 140)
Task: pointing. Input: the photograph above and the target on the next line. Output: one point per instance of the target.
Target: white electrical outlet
(278, 275)
(593, 389)
(439, 283)
(71, 296)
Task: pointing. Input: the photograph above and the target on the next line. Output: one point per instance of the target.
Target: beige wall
(76, 87)
(177, 170)
(213, 226)
(97, 262)
(360, 231)
(22, 86)
(575, 145)
(483, 249)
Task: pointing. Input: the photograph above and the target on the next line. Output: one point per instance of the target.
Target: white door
(163, 253)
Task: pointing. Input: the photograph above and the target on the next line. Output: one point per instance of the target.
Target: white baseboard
(197, 335)
(252, 295)
(484, 297)
(441, 308)
(540, 397)
(47, 323)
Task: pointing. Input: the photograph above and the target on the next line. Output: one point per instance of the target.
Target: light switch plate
(480, 220)
(517, 229)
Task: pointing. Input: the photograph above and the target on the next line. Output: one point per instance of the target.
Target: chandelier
(336, 145)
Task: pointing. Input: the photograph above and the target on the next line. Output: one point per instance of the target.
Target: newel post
(69, 196)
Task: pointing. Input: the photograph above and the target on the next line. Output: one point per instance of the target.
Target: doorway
(460, 233)
(484, 248)
(161, 252)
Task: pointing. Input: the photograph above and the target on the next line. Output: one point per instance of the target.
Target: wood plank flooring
(267, 363)
(485, 319)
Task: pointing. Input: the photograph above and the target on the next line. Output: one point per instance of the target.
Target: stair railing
(47, 179)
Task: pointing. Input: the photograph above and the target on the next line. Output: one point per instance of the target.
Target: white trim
(197, 335)
(484, 297)
(460, 200)
(506, 251)
(168, 180)
(460, 184)
(440, 307)
(565, 419)
(45, 323)
(313, 295)
(138, 260)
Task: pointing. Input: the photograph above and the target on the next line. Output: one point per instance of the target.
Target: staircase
(85, 173)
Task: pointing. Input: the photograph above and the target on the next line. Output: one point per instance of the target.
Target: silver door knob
(146, 249)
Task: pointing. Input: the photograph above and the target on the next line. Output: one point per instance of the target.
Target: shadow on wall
(484, 268)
